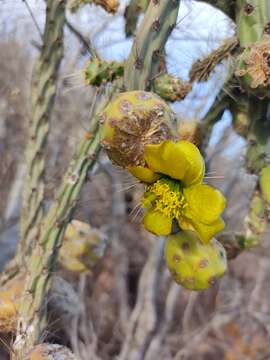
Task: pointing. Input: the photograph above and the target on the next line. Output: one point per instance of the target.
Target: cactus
(99, 71)
(111, 6)
(49, 352)
(192, 264)
(82, 247)
(146, 54)
(253, 31)
(43, 94)
(130, 122)
(132, 12)
(170, 88)
(41, 263)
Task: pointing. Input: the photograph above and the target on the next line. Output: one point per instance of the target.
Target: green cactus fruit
(171, 88)
(194, 265)
(130, 122)
(253, 68)
(99, 71)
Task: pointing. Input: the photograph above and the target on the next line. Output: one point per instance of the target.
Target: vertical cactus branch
(144, 61)
(43, 94)
(253, 20)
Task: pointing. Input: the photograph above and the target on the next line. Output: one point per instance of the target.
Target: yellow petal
(143, 173)
(207, 232)
(205, 204)
(157, 223)
(180, 160)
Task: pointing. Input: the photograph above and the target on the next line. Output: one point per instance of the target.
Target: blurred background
(127, 303)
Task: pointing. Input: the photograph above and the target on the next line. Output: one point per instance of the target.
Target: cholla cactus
(82, 247)
(254, 68)
(194, 265)
(130, 122)
(99, 71)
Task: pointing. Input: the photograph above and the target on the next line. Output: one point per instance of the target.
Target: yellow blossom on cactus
(180, 160)
(179, 193)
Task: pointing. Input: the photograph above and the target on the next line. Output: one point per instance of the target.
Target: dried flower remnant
(254, 65)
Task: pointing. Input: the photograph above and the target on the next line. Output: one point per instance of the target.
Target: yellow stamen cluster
(166, 197)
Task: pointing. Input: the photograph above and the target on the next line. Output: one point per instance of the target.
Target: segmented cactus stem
(143, 64)
(42, 96)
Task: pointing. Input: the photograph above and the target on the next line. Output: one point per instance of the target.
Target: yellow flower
(179, 193)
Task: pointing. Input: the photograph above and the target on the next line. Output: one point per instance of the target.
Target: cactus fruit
(131, 121)
(82, 247)
(194, 265)
(190, 130)
(171, 88)
(265, 183)
(50, 352)
(111, 6)
(253, 68)
(99, 71)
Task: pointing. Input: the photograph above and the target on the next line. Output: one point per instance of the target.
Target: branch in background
(143, 320)
(202, 69)
(226, 6)
(42, 96)
(85, 42)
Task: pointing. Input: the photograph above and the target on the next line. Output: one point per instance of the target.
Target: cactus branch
(143, 63)
(43, 95)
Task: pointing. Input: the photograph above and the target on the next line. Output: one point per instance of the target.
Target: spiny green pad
(265, 183)
(171, 88)
(99, 71)
(194, 265)
(131, 121)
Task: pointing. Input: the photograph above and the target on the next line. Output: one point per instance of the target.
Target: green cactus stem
(253, 20)
(143, 64)
(41, 264)
(168, 87)
(132, 12)
(202, 68)
(42, 96)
